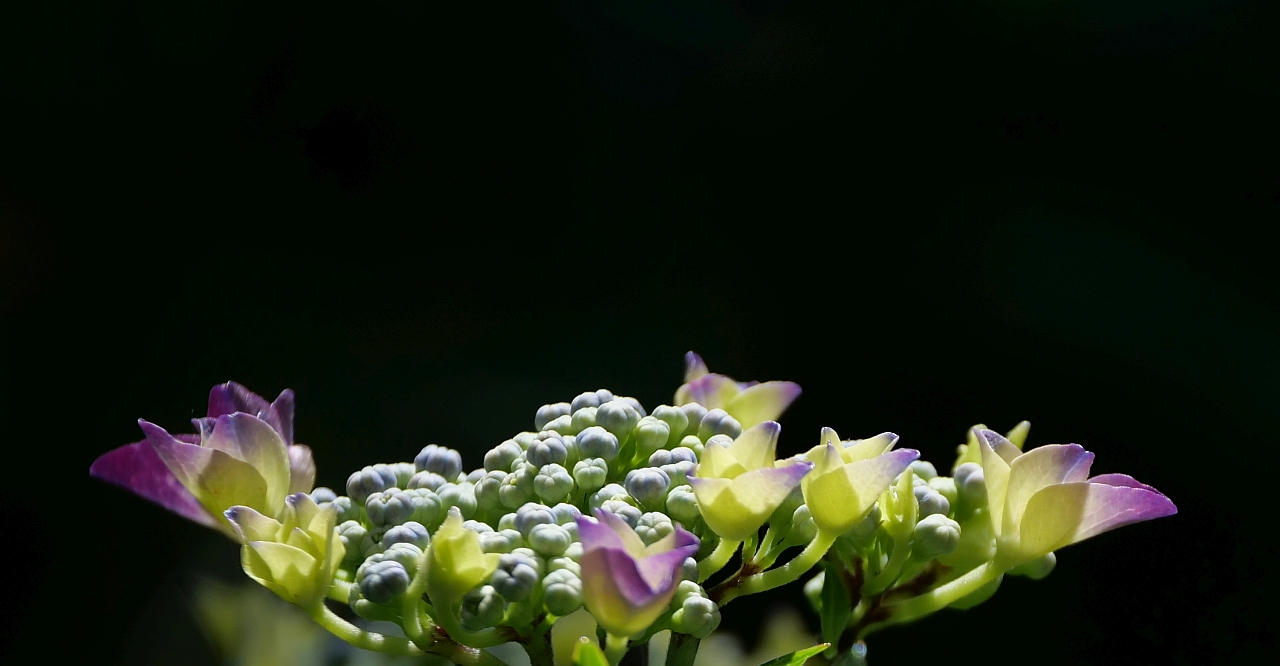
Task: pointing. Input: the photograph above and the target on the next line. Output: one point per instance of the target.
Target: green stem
(785, 573)
(717, 559)
(938, 598)
(886, 577)
(411, 617)
(466, 656)
(615, 648)
(365, 640)
(340, 591)
(682, 650)
(538, 648)
(766, 547)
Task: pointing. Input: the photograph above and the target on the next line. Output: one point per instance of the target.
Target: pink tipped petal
(757, 446)
(1040, 468)
(138, 468)
(596, 534)
(693, 367)
(251, 525)
(631, 541)
(1121, 480)
(1061, 515)
(302, 469)
(762, 402)
(711, 391)
(999, 445)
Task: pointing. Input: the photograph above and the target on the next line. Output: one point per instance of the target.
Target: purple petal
(693, 367)
(710, 390)
(1121, 480)
(1040, 468)
(302, 469)
(1072, 512)
(231, 397)
(137, 468)
(637, 589)
(1000, 445)
(597, 534)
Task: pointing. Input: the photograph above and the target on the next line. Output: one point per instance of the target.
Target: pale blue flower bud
(473, 476)
(516, 575)
(562, 424)
(971, 484)
(371, 544)
(648, 485)
(596, 442)
(618, 418)
(501, 541)
(692, 443)
(574, 551)
(803, 529)
(604, 395)
(572, 456)
(389, 507)
(352, 535)
(553, 483)
(562, 591)
(670, 457)
(531, 514)
(382, 582)
(482, 607)
(1038, 568)
(371, 479)
(679, 471)
(477, 526)
(721, 439)
(500, 457)
(321, 495)
(689, 570)
(935, 535)
(548, 413)
(632, 403)
(517, 487)
(549, 540)
(651, 435)
(427, 480)
(675, 418)
(439, 459)
(609, 492)
(564, 562)
(923, 469)
(682, 505)
(547, 452)
(410, 532)
(653, 526)
(718, 422)
(945, 486)
(524, 439)
(348, 510)
(404, 471)
(566, 513)
(427, 507)
(697, 616)
(930, 501)
(693, 413)
(406, 554)
(583, 401)
(590, 474)
(460, 495)
(623, 510)
(582, 419)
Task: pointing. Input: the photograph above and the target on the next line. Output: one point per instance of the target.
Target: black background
(430, 218)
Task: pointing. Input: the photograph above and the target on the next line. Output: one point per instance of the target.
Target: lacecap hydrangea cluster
(630, 514)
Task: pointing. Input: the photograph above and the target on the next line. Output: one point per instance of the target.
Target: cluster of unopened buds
(630, 514)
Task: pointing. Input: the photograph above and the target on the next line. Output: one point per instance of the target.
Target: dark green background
(430, 218)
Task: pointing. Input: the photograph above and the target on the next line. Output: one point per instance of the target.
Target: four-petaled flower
(243, 455)
(739, 485)
(626, 585)
(749, 403)
(848, 477)
(1044, 499)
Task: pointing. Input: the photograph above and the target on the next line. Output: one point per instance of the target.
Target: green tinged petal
(1018, 436)
(762, 402)
(455, 562)
(996, 470)
(283, 569)
(253, 441)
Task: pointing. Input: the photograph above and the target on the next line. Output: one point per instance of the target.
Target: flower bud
(486, 490)
(427, 507)
(439, 459)
(693, 413)
(404, 471)
(482, 607)
(679, 472)
(803, 529)
(565, 513)
(500, 457)
(623, 510)
(460, 495)
(945, 486)
(549, 540)
(382, 582)
(584, 400)
(501, 541)
(549, 413)
(406, 554)
(923, 470)
(612, 491)
(935, 535)
(1038, 568)
(389, 507)
(653, 526)
(531, 514)
(596, 442)
(428, 480)
(547, 451)
(618, 417)
(347, 510)
(352, 535)
(516, 575)
(562, 424)
(718, 422)
(676, 420)
(682, 505)
(322, 495)
(590, 474)
(371, 479)
(652, 435)
(562, 589)
(410, 532)
(648, 485)
(517, 488)
(582, 419)
(971, 485)
(689, 570)
(697, 616)
(553, 482)
(930, 501)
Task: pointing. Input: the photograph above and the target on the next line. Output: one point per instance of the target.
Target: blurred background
(428, 219)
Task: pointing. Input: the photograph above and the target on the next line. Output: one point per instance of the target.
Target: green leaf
(798, 657)
(587, 653)
(835, 604)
